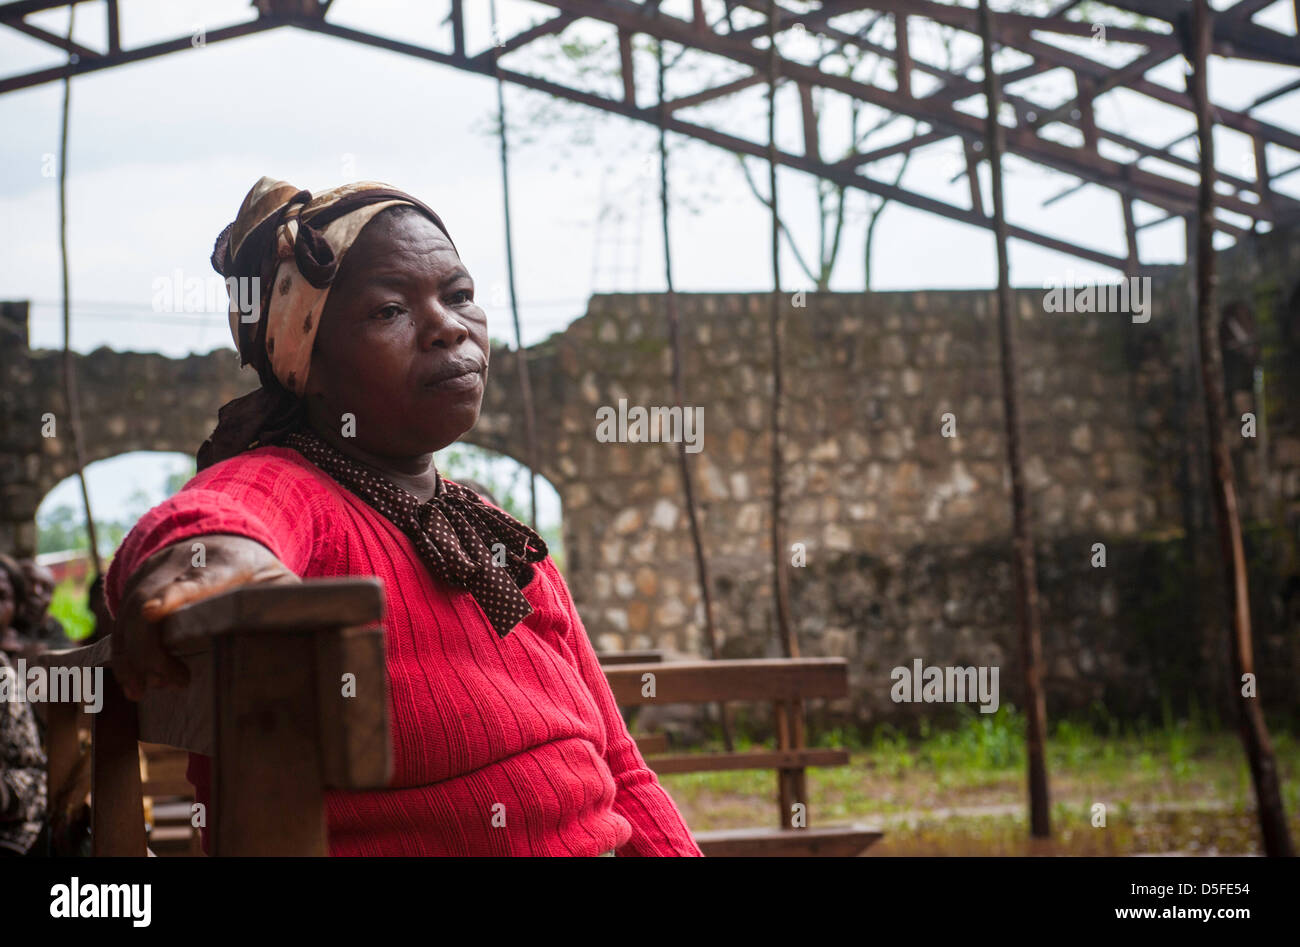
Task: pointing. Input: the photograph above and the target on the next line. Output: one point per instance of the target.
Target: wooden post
(1254, 732)
(117, 803)
(1023, 542)
(521, 353)
(679, 398)
(787, 788)
(780, 575)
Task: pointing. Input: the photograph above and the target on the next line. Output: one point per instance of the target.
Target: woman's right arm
(190, 570)
(252, 520)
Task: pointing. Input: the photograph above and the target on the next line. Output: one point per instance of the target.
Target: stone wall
(905, 530)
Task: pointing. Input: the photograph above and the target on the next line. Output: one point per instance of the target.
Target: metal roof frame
(1235, 35)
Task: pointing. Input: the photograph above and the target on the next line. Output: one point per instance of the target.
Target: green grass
(69, 606)
(1170, 785)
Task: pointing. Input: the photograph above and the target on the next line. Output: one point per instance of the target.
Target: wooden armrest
(99, 654)
(316, 604)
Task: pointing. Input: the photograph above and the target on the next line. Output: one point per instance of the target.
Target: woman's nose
(439, 326)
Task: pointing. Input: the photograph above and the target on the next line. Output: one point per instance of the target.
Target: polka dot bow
(462, 540)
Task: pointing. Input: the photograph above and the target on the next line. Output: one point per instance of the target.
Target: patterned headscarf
(294, 243)
(279, 256)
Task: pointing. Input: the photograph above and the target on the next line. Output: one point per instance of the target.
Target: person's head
(400, 318)
(40, 591)
(359, 309)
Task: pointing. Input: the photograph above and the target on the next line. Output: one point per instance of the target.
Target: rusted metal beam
(1231, 118)
(973, 178)
(1130, 237)
(1163, 192)
(1263, 186)
(457, 17)
(902, 56)
(114, 29)
(1088, 124)
(626, 67)
(152, 51)
(53, 39)
(937, 112)
(808, 111)
(708, 95)
(1234, 37)
(888, 151)
(554, 25)
(1135, 69)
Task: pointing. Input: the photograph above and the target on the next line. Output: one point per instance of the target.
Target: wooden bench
(786, 683)
(612, 658)
(265, 701)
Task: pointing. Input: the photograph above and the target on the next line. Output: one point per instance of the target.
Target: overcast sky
(162, 152)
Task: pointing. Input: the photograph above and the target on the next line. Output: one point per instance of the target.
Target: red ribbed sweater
(527, 721)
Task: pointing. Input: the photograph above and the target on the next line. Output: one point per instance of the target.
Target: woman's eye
(460, 297)
(391, 311)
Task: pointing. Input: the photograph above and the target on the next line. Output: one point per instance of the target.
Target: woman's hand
(166, 581)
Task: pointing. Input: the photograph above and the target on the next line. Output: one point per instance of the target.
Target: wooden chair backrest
(288, 696)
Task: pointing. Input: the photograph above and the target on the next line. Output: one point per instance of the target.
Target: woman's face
(399, 319)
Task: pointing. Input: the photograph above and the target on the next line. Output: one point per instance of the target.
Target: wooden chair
(266, 701)
(786, 682)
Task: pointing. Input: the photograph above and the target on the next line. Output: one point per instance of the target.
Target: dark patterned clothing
(462, 540)
(22, 773)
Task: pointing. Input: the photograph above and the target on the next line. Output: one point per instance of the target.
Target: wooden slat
(320, 603)
(693, 682)
(611, 658)
(166, 772)
(757, 759)
(787, 843)
(167, 788)
(649, 743)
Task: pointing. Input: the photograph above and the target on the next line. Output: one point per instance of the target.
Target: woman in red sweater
(372, 354)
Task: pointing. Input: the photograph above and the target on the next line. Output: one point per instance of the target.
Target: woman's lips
(463, 382)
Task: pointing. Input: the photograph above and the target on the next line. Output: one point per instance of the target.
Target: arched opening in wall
(122, 489)
(504, 481)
